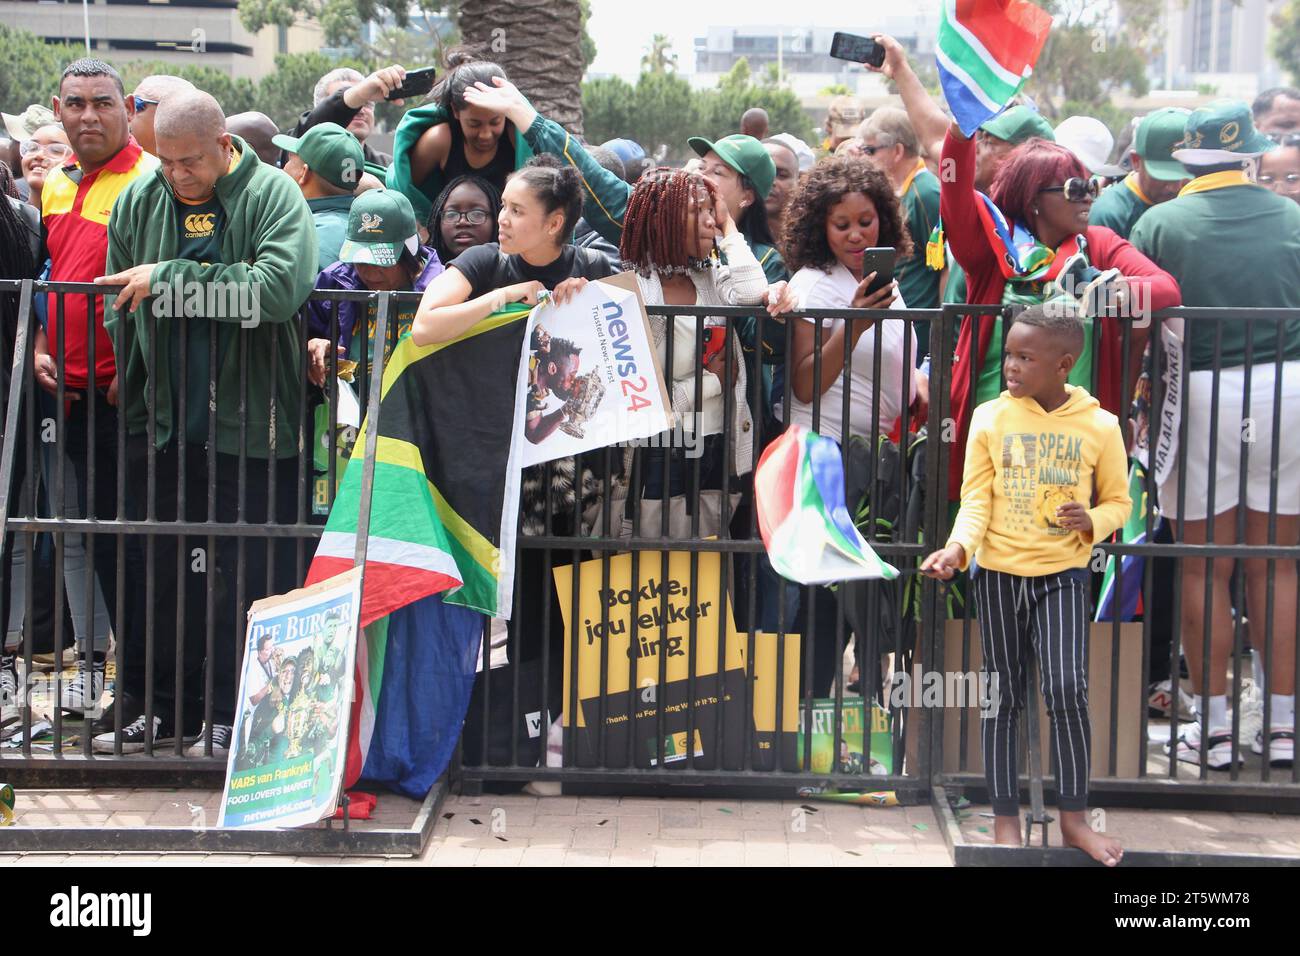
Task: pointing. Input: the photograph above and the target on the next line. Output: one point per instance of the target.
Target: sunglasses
(1076, 189)
(56, 151)
(475, 217)
(138, 103)
(871, 150)
(1290, 182)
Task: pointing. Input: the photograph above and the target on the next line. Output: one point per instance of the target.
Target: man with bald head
(754, 123)
(216, 251)
(256, 129)
(143, 104)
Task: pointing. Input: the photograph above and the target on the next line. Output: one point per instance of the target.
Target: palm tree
(539, 44)
(659, 58)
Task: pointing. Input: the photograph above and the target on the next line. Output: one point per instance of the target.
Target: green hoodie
(413, 125)
(271, 239)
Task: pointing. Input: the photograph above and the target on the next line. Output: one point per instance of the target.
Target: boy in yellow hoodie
(1036, 455)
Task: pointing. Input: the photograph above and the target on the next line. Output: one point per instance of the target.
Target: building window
(1202, 35)
(1223, 42)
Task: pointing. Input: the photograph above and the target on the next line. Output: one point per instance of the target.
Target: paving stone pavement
(521, 830)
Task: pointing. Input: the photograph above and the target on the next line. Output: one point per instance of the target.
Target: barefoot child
(1034, 458)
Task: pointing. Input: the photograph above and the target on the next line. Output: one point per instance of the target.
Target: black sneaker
(106, 724)
(133, 737)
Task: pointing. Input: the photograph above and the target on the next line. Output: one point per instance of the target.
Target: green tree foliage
(281, 94)
(1088, 58)
(662, 111)
(659, 56)
(1285, 42)
(32, 68)
(341, 20)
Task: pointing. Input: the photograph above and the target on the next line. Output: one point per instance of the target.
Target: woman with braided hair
(676, 232)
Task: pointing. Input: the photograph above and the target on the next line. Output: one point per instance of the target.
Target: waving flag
(806, 528)
(986, 51)
(1123, 577)
(440, 551)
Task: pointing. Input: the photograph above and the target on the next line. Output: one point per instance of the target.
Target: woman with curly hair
(842, 208)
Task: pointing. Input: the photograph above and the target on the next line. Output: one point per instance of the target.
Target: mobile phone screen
(856, 49)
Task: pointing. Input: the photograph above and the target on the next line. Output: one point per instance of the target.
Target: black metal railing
(252, 518)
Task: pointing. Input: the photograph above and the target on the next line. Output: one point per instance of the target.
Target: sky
(622, 30)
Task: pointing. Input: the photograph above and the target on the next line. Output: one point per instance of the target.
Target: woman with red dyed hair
(1044, 193)
(676, 234)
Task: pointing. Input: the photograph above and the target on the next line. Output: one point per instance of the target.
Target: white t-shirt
(816, 289)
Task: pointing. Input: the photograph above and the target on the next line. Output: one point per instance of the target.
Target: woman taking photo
(844, 207)
(452, 137)
(1044, 193)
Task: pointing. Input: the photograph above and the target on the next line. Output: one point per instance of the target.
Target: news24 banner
(639, 629)
(594, 377)
(295, 693)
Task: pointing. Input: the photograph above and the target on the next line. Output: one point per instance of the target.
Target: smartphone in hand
(417, 83)
(856, 49)
(880, 260)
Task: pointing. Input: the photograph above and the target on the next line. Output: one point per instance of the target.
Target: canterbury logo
(370, 222)
(200, 224)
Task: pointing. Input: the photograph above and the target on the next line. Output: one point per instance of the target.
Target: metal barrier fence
(248, 516)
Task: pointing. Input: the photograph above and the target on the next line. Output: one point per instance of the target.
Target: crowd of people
(485, 202)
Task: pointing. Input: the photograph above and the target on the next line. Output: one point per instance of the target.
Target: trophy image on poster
(584, 399)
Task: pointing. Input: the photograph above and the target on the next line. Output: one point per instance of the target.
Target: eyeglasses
(1284, 138)
(475, 217)
(1289, 182)
(139, 103)
(56, 151)
(1075, 189)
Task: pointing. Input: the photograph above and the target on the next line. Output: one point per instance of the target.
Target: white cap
(1087, 138)
(807, 158)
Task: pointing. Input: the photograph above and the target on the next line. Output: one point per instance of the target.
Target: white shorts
(1254, 432)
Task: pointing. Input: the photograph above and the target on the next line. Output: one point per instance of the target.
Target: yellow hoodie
(1022, 463)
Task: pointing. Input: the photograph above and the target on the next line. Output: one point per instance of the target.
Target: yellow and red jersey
(76, 215)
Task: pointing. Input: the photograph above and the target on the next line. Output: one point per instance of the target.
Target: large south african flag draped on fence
(440, 552)
(986, 51)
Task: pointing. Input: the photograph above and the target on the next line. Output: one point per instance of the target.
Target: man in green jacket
(215, 252)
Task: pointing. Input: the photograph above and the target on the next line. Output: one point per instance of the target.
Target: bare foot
(1075, 832)
(1006, 831)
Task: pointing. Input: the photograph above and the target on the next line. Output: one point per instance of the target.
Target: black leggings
(1047, 616)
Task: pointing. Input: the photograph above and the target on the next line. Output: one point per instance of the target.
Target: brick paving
(520, 830)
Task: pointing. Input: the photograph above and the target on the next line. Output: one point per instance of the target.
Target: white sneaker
(221, 736)
(83, 692)
(1252, 713)
(1160, 699)
(10, 705)
(1188, 747)
(1281, 746)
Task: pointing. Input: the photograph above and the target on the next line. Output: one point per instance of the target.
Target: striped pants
(1047, 616)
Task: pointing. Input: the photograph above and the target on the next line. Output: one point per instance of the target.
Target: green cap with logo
(329, 151)
(1157, 135)
(1220, 132)
(380, 224)
(1017, 124)
(745, 155)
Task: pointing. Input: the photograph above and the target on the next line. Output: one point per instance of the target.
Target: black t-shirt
(487, 269)
(497, 170)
